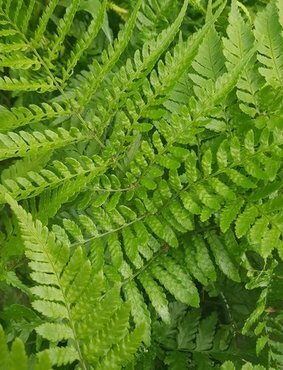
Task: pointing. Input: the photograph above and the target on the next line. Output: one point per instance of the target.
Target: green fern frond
(21, 116)
(42, 24)
(27, 16)
(10, 359)
(228, 365)
(240, 40)
(63, 28)
(83, 44)
(98, 72)
(149, 182)
(131, 75)
(209, 64)
(23, 84)
(25, 143)
(269, 37)
(62, 294)
(81, 172)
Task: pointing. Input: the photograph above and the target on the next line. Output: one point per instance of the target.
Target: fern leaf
(21, 116)
(210, 94)
(245, 220)
(186, 293)
(191, 264)
(240, 180)
(203, 259)
(229, 214)
(27, 16)
(270, 240)
(240, 41)
(17, 356)
(109, 59)
(83, 44)
(45, 17)
(269, 37)
(156, 295)
(122, 352)
(176, 360)
(222, 257)
(19, 62)
(184, 53)
(138, 309)
(64, 292)
(63, 28)
(209, 63)
(22, 84)
(206, 332)
(25, 143)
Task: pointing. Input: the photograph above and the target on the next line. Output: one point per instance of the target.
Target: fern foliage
(141, 151)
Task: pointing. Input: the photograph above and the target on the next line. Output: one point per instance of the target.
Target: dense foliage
(141, 217)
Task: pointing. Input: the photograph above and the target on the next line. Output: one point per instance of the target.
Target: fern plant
(141, 151)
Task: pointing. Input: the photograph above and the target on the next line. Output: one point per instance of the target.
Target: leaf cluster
(141, 213)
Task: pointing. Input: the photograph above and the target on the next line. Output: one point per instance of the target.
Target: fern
(17, 355)
(64, 279)
(269, 44)
(141, 184)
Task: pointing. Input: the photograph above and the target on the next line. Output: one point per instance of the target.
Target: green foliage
(141, 150)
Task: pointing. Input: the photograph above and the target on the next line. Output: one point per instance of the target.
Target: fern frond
(98, 71)
(211, 94)
(191, 339)
(130, 76)
(25, 143)
(22, 84)
(182, 57)
(21, 116)
(209, 63)
(42, 24)
(19, 61)
(63, 28)
(136, 245)
(228, 365)
(27, 16)
(268, 34)
(56, 174)
(83, 44)
(21, 167)
(64, 294)
(17, 355)
(240, 40)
